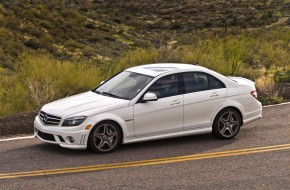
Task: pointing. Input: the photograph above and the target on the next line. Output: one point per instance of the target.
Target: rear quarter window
(215, 83)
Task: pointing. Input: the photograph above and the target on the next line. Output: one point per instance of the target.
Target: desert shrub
(2, 9)
(175, 26)
(250, 73)
(46, 24)
(88, 51)
(269, 91)
(282, 76)
(11, 96)
(90, 25)
(132, 58)
(269, 50)
(225, 56)
(156, 25)
(234, 56)
(94, 38)
(1, 19)
(31, 30)
(69, 13)
(72, 44)
(268, 101)
(266, 85)
(117, 20)
(33, 43)
(41, 79)
(110, 38)
(12, 23)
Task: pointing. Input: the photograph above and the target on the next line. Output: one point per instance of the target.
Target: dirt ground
(21, 123)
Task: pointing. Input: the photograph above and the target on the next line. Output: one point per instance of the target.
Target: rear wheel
(105, 137)
(227, 124)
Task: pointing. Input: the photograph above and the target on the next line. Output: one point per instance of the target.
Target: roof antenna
(196, 63)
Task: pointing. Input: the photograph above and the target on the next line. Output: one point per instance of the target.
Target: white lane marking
(17, 138)
(285, 103)
(31, 137)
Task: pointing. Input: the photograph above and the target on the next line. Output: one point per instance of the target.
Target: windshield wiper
(110, 94)
(107, 94)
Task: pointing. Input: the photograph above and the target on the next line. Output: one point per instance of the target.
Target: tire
(227, 124)
(105, 137)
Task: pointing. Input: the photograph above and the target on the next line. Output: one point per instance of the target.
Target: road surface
(258, 158)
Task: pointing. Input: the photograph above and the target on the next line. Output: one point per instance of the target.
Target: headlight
(74, 121)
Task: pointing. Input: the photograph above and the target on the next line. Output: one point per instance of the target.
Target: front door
(164, 115)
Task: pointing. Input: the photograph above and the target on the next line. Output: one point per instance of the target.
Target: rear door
(204, 95)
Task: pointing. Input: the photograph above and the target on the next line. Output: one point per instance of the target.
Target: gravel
(21, 123)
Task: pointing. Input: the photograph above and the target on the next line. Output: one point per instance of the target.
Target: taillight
(254, 94)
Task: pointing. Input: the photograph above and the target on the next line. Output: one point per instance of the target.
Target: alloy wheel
(105, 137)
(229, 124)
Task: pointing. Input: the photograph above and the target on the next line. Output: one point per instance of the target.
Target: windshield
(125, 85)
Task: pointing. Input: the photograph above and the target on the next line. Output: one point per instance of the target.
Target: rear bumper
(250, 120)
(253, 115)
(61, 136)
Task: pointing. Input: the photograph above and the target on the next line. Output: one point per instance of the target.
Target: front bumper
(62, 135)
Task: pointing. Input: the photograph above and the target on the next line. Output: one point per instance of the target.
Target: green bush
(33, 43)
(129, 59)
(268, 100)
(72, 44)
(41, 79)
(282, 76)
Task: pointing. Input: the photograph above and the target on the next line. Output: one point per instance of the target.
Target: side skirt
(168, 135)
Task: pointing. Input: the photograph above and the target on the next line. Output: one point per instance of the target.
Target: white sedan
(150, 102)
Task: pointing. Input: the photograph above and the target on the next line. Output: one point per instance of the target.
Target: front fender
(123, 116)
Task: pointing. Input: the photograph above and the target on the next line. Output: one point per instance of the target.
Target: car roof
(160, 68)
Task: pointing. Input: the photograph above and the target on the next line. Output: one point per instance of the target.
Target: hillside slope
(102, 30)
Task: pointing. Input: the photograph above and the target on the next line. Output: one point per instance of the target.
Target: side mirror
(102, 82)
(149, 96)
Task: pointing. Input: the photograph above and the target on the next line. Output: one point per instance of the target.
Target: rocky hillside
(102, 29)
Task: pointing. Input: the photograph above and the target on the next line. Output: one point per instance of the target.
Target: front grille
(45, 136)
(49, 119)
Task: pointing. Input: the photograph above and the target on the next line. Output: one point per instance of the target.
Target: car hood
(88, 103)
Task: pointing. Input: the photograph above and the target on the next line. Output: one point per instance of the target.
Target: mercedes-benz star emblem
(45, 117)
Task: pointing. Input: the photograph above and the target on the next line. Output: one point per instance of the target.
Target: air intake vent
(46, 136)
(49, 119)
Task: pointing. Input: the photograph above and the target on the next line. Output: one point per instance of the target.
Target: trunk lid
(243, 81)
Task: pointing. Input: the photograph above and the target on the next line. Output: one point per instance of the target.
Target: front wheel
(104, 137)
(227, 124)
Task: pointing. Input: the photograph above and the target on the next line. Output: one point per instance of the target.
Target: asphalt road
(258, 158)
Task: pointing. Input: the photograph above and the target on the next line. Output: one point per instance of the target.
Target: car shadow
(180, 145)
(43, 153)
(164, 147)
(39, 155)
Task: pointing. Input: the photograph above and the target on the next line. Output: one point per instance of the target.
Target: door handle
(215, 94)
(175, 102)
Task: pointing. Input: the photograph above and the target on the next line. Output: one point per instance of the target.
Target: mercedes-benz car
(150, 102)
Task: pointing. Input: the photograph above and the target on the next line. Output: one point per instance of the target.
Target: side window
(214, 83)
(165, 86)
(195, 82)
